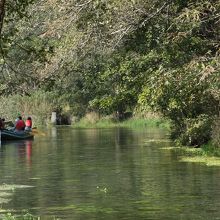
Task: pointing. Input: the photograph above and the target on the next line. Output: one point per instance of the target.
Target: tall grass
(210, 150)
(93, 120)
(39, 106)
(145, 122)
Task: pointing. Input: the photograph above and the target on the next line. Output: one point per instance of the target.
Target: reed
(108, 122)
(39, 106)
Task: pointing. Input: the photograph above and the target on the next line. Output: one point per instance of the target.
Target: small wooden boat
(7, 135)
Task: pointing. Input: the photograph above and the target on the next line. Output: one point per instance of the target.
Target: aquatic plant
(207, 154)
(10, 216)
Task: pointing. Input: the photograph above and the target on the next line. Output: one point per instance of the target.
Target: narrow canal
(111, 174)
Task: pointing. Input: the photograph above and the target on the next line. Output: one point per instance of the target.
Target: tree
(112, 55)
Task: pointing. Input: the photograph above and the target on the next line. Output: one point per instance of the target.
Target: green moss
(209, 161)
(27, 216)
(89, 208)
(207, 154)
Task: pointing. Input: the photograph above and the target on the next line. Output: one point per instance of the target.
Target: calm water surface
(106, 174)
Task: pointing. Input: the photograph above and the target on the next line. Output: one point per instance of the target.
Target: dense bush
(197, 131)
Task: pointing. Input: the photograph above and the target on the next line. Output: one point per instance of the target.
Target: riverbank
(206, 154)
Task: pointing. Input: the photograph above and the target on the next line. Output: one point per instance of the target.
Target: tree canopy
(115, 56)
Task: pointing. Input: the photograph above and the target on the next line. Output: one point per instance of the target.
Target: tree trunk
(2, 13)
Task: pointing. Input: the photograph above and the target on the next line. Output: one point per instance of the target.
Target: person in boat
(13, 126)
(1, 124)
(20, 125)
(28, 124)
(16, 120)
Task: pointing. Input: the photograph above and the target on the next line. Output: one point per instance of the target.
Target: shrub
(197, 131)
(91, 117)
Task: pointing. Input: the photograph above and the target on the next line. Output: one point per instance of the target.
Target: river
(111, 174)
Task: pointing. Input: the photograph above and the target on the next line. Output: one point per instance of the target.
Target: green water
(106, 174)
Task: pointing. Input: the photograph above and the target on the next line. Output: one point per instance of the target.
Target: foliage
(116, 56)
(197, 131)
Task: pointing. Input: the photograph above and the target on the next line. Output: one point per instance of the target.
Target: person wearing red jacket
(28, 124)
(20, 125)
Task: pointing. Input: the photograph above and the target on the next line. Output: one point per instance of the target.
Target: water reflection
(107, 174)
(54, 132)
(20, 150)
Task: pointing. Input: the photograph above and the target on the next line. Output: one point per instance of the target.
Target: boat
(7, 135)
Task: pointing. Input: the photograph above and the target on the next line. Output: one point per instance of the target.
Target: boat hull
(7, 135)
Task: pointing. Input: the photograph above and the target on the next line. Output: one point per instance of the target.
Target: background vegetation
(113, 57)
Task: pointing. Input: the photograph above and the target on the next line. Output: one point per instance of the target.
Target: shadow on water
(107, 174)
